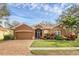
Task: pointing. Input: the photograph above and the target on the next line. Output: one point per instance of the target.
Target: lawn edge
(54, 48)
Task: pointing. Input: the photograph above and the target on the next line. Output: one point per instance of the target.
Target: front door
(38, 33)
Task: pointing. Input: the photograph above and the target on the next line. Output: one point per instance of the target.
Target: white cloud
(46, 7)
(54, 9)
(33, 6)
(63, 4)
(39, 6)
(57, 10)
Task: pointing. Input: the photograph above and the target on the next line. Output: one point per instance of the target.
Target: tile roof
(45, 26)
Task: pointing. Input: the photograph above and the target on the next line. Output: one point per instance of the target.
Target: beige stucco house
(24, 31)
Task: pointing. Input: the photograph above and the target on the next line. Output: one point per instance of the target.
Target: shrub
(71, 36)
(58, 37)
(47, 36)
(8, 37)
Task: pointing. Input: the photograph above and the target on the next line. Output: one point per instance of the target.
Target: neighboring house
(2, 32)
(38, 31)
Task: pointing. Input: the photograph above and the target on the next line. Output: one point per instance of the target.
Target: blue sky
(33, 13)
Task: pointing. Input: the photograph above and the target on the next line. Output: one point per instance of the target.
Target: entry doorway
(38, 33)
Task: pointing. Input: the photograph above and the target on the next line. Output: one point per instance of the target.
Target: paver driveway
(15, 47)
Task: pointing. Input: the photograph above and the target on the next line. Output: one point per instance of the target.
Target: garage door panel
(24, 35)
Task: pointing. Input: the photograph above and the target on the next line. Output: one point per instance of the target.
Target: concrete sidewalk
(54, 48)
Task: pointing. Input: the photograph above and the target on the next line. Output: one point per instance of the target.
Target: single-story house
(24, 31)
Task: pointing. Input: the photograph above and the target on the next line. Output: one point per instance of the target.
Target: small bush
(47, 36)
(8, 37)
(71, 36)
(58, 37)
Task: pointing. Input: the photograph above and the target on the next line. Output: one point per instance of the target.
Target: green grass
(55, 43)
(55, 52)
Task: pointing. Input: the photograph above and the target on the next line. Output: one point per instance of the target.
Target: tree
(68, 19)
(4, 10)
(69, 22)
(14, 23)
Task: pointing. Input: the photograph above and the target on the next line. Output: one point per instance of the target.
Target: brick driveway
(15, 47)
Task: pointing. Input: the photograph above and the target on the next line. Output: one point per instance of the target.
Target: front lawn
(55, 43)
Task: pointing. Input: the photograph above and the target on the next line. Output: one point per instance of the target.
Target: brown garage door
(24, 35)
